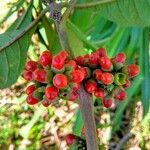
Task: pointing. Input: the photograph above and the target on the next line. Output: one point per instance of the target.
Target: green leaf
(145, 65)
(13, 56)
(78, 124)
(12, 10)
(121, 107)
(127, 12)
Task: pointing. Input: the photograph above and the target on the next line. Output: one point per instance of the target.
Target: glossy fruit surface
(107, 78)
(60, 81)
(105, 63)
(40, 75)
(77, 76)
(27, 75)
(32, 100)
(45, 58)
(120, 95)
(97, 74)
(69, 139)
(90, 86)
(99, 93)
(51, 92)
(133, 70)
(120, 58)
(30, 89)
(31, 65)
(107, 102)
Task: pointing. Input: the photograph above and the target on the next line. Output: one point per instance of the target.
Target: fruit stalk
(86, 106)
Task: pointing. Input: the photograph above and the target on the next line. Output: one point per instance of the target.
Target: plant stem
(28, 28)
(86, 106)
(90, 4)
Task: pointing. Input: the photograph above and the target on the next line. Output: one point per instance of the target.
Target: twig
(28, 28)
(86, 106)
(123, 141)
(90, 4)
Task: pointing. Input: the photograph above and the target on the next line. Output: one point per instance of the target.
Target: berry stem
(86, 106)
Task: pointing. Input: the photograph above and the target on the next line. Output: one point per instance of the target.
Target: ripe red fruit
(120, 94)
(45, 58)
(73, 96)
(27, 75)
(69, 139)
(31, 100)
(93, 59)
(40, 75)
(90, 86)
(58, 62)
(77, 76)
(120, 58)
(30, 89)
(107, 78)
(51, 92)
(133, 70)
(31, 65)
(86, 71)
(127, 84)
(97, 74)
(80, 60)
(60, 81)
(70, 65)
(99, 93)
(64, 54)
(107, 102)
(105, 63)
(101, 52)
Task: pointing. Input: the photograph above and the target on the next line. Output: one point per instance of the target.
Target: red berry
(105, 63)
(107, 78)
(60, 81)
(69, 139)
(71, 64)
(64, 54)
(40, 75)
(97, 74)
(27, 75)
(31, 65)
(77, 76)
(32, 100)
(58, 62)
(90, 86)
(101, 52)
(45, 103)
(73, 96)
(93, 59)
(120, 58)
(75, 86)
(120, 95)
(133, 70)
(80, 60)
(127, 84)
(30, 89)
(86, 71)
(107, 102)
(51, 92)
(99, 93)
(45, 58)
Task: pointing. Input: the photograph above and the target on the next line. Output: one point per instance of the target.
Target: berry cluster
(58, 77)
(54, 77)
(108, 77)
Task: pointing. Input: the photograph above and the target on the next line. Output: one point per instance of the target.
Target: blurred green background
(30, 128)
